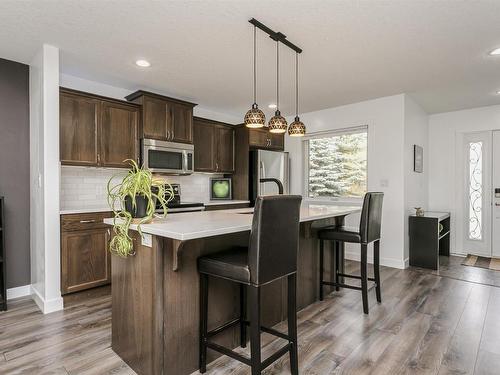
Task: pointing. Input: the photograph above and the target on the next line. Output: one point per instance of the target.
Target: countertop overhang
(194, 225)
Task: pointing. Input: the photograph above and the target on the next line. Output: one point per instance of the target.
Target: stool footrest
(279, 353)
(228, 352)
(223, 327)
(354, 276)
(347, 286)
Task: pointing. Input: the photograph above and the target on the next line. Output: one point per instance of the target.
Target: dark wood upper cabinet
(78, 116)
(119, 134)
(164, 118)
(213, 146)
(225, 149)
(97, 131)
(263, 139)
(157, 118)
(204, 146)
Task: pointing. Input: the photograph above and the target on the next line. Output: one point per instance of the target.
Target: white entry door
(478, 193)
(495, 246)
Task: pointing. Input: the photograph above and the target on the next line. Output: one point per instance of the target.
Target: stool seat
(344, 234)
(231, 264)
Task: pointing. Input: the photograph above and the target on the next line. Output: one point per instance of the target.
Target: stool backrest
(371, 217)
(274, 239)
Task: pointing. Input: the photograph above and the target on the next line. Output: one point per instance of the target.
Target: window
(336, 164)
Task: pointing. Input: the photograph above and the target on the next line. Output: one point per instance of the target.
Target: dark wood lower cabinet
(85, 257)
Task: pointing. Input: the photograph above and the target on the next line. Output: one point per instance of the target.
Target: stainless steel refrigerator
(271, 165)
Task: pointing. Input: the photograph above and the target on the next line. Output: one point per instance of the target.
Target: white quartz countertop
(221, 202)
(192, 225)
(85, 210)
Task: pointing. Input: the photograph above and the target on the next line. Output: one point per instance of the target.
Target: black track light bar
(275, 35)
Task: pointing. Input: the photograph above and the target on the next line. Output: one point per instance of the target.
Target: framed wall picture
(220, 188)
(418, 159)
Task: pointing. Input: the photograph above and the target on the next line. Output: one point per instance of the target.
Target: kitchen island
(155, 293)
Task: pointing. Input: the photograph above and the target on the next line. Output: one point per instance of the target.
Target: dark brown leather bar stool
(271, 255)
(368, 232)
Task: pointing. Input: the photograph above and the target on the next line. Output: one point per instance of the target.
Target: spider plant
(138, 191)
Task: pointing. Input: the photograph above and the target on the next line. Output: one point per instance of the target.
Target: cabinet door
(119, 134)
(277, 141)
(85, 260)
(204, 147)
(156, 118)
(78, 124)
(182, 125)
(258, 138)
(225, 149)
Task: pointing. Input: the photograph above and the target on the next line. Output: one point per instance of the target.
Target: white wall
(385, 119)
(445, 133)
(416, 184)
(44, 179)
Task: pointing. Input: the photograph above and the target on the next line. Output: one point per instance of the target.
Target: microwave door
(165, 160)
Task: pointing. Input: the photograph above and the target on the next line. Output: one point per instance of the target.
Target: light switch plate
(147, 240)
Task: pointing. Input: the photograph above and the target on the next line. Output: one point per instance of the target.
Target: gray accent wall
(15, 169)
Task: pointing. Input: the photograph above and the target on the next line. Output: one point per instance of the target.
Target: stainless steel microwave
(167, 157)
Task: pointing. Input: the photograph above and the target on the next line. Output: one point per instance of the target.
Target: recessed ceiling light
(272, 106)
(498, 92)
(143, 63)
(495, 52)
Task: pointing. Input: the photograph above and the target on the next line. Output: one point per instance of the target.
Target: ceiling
(201, 51)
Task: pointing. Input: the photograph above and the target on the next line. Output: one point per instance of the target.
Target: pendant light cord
(277, 76)
(254, 65)
(296, 84)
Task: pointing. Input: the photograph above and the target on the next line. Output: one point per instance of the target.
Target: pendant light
(297, 127)
(277, 123)
(255, 118)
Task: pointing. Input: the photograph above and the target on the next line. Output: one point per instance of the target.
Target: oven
(167, 157)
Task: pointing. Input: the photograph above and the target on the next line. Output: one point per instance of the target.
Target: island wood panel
(137, 335)
(137, 307)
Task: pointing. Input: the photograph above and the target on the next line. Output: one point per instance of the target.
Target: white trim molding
(19, 291)
(45, 305)
(387, 262)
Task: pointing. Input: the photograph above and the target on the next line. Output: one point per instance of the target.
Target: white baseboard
(19, 291)
(388, 262)
(47, 305)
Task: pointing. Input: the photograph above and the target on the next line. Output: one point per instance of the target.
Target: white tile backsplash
(83, 187)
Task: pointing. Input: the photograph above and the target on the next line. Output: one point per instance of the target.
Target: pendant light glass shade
(277, 123)
(297, 127)
(255, 118)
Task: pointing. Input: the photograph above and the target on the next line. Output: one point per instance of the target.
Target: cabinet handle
(87, 221)
(98, 158)
(216, 166)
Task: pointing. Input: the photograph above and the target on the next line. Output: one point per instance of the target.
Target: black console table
(429, 238)
(3, 286)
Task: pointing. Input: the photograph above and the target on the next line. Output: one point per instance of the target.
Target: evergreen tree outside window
(337, 165)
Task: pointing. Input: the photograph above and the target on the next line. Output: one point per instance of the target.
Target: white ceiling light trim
(143, 63)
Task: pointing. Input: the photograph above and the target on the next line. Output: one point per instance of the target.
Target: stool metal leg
(342, 260)
(243, 316)
(321, 259)
(203, 321)
(364, 277)
(376, 268)
(255, 355)
(337, 270)
(292, 323)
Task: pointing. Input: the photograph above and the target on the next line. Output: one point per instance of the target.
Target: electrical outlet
(147, 240)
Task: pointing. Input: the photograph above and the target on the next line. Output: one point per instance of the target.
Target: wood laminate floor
(427, 324)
